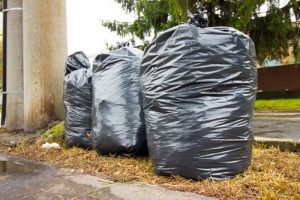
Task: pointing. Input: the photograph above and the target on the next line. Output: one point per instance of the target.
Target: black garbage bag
(118, 120)
(78, 101)
(199, 88)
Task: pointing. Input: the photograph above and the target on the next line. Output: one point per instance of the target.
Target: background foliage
(272, 32)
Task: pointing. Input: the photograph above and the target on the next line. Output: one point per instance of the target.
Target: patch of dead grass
(272, 175)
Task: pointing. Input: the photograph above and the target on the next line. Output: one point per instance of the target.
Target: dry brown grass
(272, 175)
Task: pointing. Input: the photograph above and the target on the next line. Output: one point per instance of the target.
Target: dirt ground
(268, 177)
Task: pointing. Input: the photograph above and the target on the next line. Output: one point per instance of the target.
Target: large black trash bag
(199, 88)
(78, 101)
(118, 120)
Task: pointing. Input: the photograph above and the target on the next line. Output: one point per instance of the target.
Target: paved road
(285, 125)
(24, 179)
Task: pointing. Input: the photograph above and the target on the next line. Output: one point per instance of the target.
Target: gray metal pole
(45, 51)
(14, 59)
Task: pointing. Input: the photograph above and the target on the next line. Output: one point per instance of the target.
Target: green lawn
(278, 104)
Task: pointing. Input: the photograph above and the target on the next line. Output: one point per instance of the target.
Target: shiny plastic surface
(199, 88)
(118, 119)
(78, 101)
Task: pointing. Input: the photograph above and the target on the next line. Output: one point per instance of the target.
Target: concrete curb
(292, 145)
(277, 111)
(285, 114)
